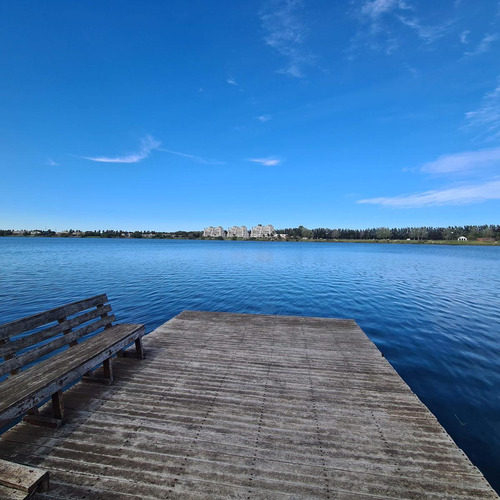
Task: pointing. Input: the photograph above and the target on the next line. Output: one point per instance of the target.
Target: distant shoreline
(273, 240)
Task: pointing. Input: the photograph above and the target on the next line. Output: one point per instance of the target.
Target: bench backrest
(25, 341)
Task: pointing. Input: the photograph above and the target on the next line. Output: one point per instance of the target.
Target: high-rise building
(238, 232)
(214, 232)
(261, 231)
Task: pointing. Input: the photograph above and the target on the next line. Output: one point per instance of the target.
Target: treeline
(398, 233)
(295, 233)
(108, 233)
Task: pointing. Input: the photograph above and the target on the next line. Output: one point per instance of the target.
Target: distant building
(214, 232)
(261, 231)
(486, 239)
(462, 238)
(238, 232)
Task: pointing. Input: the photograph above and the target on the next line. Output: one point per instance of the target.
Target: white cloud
(482, 164)
(285, 33)
(478, 165)
(461, 195)
(148, 144)
(268, 162)
(484, 45)
(375, 8)
(426, 33)
(466, 162)
(264, 118)
(380, 16)
(195, 158)
(52, 163)
(464, 36)
(487, 117)
(231, 81)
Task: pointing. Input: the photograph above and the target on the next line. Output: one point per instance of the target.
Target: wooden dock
(250, 407)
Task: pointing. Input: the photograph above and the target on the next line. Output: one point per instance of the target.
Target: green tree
(383, 233)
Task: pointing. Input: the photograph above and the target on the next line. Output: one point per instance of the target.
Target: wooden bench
(42, 354)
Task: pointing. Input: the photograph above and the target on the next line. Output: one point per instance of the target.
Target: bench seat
(43, 354)
(30, 387)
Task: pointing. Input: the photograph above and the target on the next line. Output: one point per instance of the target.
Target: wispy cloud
(264, 118)
(268, 162)
(465, 162)
(148, 144)
(477, 165)
(484, 45)
(464, 37)
(426, 33)
(52, 163)
(374, 9)
(197, 159)
(461, 195)
(379, 18)
(477, 170)
(486, 118)
(285, 32)
(231, 81)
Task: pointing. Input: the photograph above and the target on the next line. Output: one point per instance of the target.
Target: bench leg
(58, 405)
(33, 411)
(107, 377)
(139, 349)
(108, 369)
(33, 417)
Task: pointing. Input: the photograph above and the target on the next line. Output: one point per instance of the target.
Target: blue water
(434, 311)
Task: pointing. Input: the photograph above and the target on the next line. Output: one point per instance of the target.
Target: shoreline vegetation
(475, 235)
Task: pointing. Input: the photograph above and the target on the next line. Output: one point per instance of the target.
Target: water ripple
(434, 311)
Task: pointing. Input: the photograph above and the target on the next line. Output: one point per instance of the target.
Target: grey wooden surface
(15, 478)
(45, 317)
(247, 406)
(31, 387)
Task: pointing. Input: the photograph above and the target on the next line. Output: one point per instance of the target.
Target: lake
(434, 311)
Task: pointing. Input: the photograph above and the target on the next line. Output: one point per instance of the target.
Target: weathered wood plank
(29, 388)
(239, 406)
(11, 493)
(10, 347)
(65, 340)
(40, 319)
(13, 346)
(23, 478)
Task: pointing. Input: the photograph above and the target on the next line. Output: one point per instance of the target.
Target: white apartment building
(261, 231)
(214, 232)
(238, 232)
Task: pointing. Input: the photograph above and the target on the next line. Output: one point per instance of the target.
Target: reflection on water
(434, 311)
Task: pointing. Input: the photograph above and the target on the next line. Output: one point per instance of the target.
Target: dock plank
(249, 406)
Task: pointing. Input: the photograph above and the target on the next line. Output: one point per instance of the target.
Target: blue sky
(183, 114)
